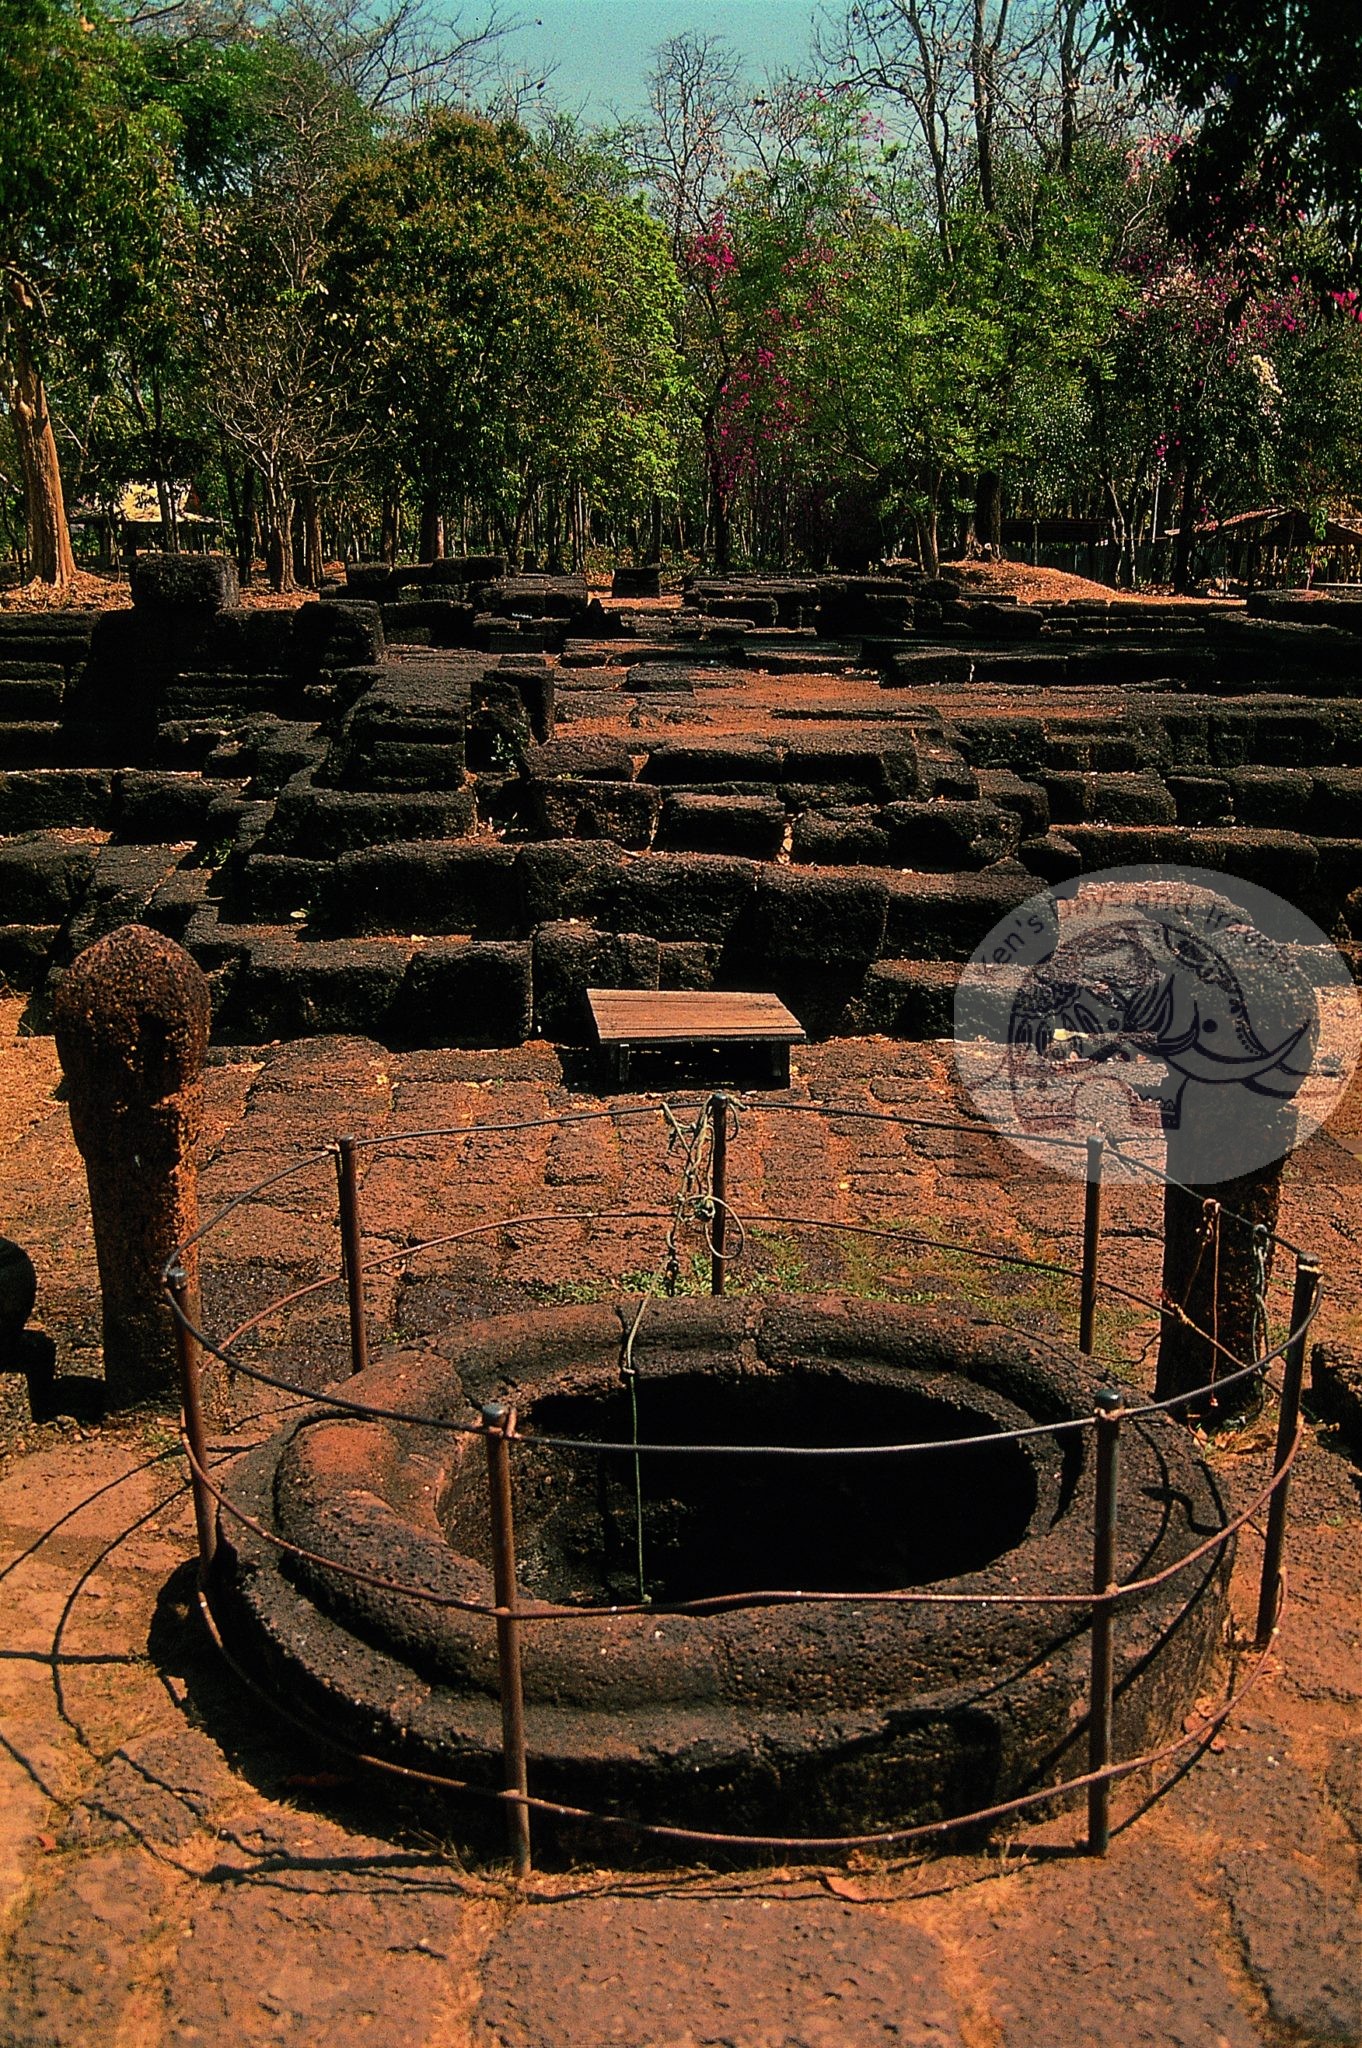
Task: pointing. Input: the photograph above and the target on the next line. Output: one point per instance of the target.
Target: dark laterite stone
(683, 895)
(183, 583)
(642, 581)
(681, 764)
(18, 1293)
(472, 993)
(289, 988)
(944, 917)
(1277, 798)
(792, 1718)
(945, 837)
(687, 963)
(569, 878)
(1336, 805)
(131, 1019)
(596, 759)
(177, 900)
(1017, 793)
(1201, 799)
(42, 878)
(567, 808)
(124, 881)
(808, 936)
(272, 888)
(45, 799)
(318, 823)
(1283, 861)
(843, 835)
(158, 809)
(26, 954)
(459, 885)
(909, 999)
(1336, 1391)
(802, 918)
(753, 826)
(330, 634)
(569, 959)
(1132, 798)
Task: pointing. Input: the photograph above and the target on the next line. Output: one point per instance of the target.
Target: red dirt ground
(96, 592)
(176, 1869)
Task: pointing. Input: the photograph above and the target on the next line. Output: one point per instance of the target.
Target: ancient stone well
(795, 1718)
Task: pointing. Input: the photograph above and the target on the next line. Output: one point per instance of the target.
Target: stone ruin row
(436, 805)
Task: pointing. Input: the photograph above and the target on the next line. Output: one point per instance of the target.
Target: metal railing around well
(702, 1134)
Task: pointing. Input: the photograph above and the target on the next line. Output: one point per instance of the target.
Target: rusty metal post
(191, 1407)
(498, 1421)
(1102, 1672)
(718, 1189)
(1092, 1229)
(352, 1257)
(1288, 1422)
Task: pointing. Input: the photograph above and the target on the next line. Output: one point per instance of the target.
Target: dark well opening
(726, 1525)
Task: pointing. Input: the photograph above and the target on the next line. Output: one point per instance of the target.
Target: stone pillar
(131, 1019)
(18, 1293)
(1230, 1145)
(1214, 1281)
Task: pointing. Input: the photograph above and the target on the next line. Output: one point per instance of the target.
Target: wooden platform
(627, 1019)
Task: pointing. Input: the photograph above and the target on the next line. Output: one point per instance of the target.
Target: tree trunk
(988, 510)
(279, 538)
(1183, 545)
(245, 532)
(165, 505)
(432, 544)
(655, 530)
(982, 52)
(165, 489)
(388, 537)
(313, 550)
(50, 559)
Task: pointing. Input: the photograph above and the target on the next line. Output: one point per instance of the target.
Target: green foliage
(455, 269)
(518, 337)
(239, 256)
(1276, 88)
(86, 168)
(627, 451)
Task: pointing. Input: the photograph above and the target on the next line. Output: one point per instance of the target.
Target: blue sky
(602, 48)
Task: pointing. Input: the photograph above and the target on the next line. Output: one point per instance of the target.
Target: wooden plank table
(652, 1019)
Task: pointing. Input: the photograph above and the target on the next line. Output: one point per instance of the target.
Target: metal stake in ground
(718, 1188)
(498, 1420)
(1092, 1231)
(1288, 1422)
(352, 1238)
(1107, 1455)
(191, 1407)
(131, 1019)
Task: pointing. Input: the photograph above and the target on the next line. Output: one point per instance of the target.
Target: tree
(393, 57)
(270, 138)
(85, 164)
(460, 274)
(1276, 88)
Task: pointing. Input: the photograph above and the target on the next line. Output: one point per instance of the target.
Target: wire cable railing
(702, 1200)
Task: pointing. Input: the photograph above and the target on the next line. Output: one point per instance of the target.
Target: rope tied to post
(1262, 1247)
(692, 1190)
(1210, 1227)
(629, 1374)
